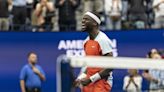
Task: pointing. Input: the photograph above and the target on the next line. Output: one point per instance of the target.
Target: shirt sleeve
(23, 74)
(106, 46)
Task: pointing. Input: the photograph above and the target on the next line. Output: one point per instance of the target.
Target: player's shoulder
(102, 37)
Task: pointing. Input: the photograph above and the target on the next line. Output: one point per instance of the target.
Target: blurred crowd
(66, 15)
(155, 78)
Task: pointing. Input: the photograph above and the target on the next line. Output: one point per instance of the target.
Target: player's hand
(76, 83)
(35, 70)
(85, 82)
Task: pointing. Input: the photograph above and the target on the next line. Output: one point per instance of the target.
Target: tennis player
(96, 44)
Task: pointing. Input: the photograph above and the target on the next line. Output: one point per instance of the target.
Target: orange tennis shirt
(101, 45)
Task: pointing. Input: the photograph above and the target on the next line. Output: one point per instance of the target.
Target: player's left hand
(85, 82)
(76, 83)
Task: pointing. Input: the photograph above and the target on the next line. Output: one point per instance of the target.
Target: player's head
(32, 57)
(90, 21)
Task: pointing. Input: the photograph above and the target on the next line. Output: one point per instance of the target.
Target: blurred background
(66, 15)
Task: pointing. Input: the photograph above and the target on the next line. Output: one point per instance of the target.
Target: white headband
(93, 16)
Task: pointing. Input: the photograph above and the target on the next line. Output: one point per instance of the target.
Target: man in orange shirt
(96, 44)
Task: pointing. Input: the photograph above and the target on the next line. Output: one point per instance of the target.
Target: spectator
(150, 13)
(45, 11)
(156, 77)
(158, 6)
(30, 4)
(124, 23)
(4, 14)
(93, 6)
(133, 81)
(113, 10)
(19, 14)
(137, 13)
(31, 75)
(67, 9)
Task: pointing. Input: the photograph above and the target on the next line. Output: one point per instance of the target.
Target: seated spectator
(133, 81)
(67, 14)
(44, 12)
(137, 13)
(4, 14)
(113, 10)
(158, 6)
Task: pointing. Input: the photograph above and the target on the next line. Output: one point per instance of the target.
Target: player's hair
(97, 14)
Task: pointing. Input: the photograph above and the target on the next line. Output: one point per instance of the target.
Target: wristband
(95, 77)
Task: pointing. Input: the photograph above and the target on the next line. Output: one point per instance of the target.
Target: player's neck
(93, 34)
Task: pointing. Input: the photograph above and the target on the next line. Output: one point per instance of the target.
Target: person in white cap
(96, 44)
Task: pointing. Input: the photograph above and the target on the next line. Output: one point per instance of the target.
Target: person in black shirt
(4, 14)
(67, 18)
(137, 13)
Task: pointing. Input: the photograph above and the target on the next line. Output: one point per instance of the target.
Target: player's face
(33, 58)
(87, 23)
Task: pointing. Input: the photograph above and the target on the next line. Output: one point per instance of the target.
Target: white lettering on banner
(75, 53)
(114, 45)
(75, 47)
(70, 44)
